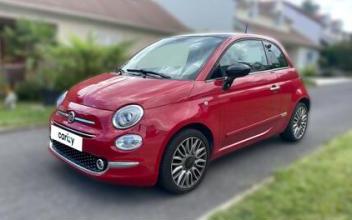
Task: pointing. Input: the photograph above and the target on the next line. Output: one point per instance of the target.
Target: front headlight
(61, 99)
(127, 116)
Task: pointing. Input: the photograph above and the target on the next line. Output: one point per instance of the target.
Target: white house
(268, 18)
(111, 21)
(321, 29)
(202, 15)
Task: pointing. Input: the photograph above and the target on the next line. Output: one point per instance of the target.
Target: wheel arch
(208, 133)
(197, 126)
(202, 128)
(306, 101)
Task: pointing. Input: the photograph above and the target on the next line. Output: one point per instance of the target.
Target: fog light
(128, 142)
(100, 164)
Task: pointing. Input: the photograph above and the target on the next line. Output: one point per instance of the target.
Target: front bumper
(85, 169)
(119, 172)
(138, 167)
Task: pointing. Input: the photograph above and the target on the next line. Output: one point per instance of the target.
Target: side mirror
(235, 71)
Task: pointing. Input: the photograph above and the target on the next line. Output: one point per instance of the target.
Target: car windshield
(175, 58)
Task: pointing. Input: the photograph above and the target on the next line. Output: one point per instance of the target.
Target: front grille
(78, 119)
(81, 159)
(80, 133)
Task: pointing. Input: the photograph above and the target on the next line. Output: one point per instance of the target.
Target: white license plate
(66, 138)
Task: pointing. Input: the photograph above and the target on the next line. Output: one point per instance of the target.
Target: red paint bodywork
(246, 113)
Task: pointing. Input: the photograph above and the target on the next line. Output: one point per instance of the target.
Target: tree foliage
(25, 40)
(310, 7)
(67, 64)
(338, 56)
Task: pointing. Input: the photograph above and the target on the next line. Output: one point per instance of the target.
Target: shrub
(338, 56)
(2, 86)
(26, 39)
(65, 65)
(29, 90)
(309, 71)
(25, 43)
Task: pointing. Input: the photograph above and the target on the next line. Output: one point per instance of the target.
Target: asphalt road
(34, 185)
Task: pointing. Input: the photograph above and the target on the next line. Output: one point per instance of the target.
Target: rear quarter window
(276, 57)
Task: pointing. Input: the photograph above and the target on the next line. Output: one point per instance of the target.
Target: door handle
(275, 87)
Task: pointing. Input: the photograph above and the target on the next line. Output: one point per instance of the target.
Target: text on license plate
(67, 138)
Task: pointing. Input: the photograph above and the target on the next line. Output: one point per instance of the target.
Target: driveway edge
(19, 129)
(237, 198)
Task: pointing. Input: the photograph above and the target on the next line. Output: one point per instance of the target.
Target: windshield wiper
(148, 72)
(118, 71)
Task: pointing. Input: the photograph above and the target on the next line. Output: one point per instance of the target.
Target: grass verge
(309, 82)
(25, 114)
(318, 187)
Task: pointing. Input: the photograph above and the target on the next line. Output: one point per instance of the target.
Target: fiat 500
(175, 106)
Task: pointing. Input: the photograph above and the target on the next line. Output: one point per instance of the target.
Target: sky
(338, 9)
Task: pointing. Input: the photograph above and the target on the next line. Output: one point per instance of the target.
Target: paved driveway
(34, 185)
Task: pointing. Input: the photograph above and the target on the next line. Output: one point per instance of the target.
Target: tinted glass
(250, 52)
(276, 57)
(178, 57)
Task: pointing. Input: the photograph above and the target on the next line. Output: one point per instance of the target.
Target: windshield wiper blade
(149, 72)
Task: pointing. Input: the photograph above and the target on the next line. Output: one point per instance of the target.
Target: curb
(237, 198)
(331, 81)
(20, 129)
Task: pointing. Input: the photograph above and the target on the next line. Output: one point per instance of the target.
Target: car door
(284, 74)
(248, 106)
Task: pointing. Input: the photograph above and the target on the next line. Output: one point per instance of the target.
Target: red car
(177, 105)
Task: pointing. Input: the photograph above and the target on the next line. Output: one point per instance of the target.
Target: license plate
(67, 138)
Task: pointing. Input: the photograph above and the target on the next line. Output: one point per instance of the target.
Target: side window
(276, 57)
(250, 52)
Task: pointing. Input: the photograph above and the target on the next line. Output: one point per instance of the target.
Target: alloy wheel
(300, 120)
(189, 162)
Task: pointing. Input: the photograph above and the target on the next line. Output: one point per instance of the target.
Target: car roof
(207, 35)
(234, 36)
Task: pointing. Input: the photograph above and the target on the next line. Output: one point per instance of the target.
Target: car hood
(110, 91)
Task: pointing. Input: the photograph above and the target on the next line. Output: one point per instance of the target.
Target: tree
(338, 56)
(24, 43)
(67, 64)
(310, 7)
(25, 39)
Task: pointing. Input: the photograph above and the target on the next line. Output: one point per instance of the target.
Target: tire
(298, 124)
(183, 167)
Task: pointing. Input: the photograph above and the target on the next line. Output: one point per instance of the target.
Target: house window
(310, 56)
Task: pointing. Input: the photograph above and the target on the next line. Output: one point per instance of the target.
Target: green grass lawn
(25, 114)
(318, 187)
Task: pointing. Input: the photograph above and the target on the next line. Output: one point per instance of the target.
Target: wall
(67, 26)
(307, 57)
(202, 15)
(105, 34)
(303, 25)
(261, 20)
(303, 57)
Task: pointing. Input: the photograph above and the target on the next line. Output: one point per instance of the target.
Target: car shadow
(107, 191)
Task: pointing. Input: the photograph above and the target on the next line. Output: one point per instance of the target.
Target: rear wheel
(297, 126)
(185, 162)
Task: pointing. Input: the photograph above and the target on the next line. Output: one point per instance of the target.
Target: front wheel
(185, 162)
(297, 126)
